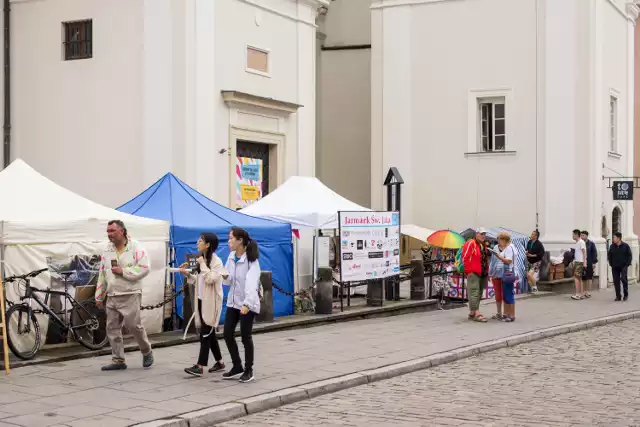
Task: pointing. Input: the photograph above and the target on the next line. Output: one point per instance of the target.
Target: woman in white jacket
(207, 282)
(243, 301)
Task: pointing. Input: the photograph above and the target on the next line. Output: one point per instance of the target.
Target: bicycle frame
(30, 295)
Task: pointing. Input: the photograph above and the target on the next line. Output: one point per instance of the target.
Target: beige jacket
(135, 267)
(212, 298)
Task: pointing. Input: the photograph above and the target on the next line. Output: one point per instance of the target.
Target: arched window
(616, 220)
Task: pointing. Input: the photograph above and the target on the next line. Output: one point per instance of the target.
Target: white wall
(344, 102)
(433, 57)
(80, 122)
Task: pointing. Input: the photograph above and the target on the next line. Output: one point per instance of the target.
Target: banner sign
(622, 190)
(370, 245)
(248, 181)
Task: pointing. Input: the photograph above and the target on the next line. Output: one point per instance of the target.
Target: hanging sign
(622, 190)
(370, 245)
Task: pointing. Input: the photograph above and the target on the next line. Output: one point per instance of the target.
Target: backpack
(458, 265)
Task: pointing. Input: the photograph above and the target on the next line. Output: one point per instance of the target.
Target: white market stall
(42, 222)
(306, 203)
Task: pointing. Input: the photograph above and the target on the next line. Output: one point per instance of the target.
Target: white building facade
(107, 96)
(506, 113)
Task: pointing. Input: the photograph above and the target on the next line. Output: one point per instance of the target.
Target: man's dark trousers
(620, 275)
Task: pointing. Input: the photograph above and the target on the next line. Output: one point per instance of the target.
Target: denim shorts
(509, 289)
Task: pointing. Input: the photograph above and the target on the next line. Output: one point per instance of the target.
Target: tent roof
(416, 232)
(303, 201)
(191, 213)
(37, 210)
(493, 233)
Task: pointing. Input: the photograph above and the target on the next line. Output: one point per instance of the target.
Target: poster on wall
(370, 245)
(248, 181)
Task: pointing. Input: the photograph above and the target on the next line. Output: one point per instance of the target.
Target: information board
(369, 245)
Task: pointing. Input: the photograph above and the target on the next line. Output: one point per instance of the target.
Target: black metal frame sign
(622, 190)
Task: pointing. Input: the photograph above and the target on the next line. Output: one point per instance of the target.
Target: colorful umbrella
(446, 239)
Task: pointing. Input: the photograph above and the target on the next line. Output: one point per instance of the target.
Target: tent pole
(296, 285)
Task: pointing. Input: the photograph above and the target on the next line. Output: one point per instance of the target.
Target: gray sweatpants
(124, 310)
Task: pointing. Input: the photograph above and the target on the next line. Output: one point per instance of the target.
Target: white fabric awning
(35, 210)
(304, 202)
(417, 232)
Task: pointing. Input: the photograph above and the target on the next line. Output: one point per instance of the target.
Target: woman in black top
(535, 252)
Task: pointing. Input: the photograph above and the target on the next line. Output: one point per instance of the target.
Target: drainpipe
(7, 84)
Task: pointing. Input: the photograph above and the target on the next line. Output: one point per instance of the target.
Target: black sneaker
(233, 374)
(195, 370)
(219, 366)
(618, 299)
(115, 367)
(247, 376)
(626, 297)
(147, 360)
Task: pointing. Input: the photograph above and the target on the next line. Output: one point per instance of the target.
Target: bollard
(417, 281)
(187, 307)
(375, 293)
(324, 291)
(266, 305)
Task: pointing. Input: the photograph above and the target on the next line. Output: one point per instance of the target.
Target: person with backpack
(592, 260)
(207, 283)
(475, 258)
(243, 301)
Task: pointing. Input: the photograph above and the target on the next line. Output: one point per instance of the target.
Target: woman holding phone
(207, 282)
(243, 301)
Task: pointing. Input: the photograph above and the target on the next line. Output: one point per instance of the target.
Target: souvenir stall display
(439, 258)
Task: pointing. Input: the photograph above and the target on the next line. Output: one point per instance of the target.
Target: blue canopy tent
(190, 213)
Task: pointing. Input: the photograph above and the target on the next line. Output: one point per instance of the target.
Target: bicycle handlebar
(30, 275)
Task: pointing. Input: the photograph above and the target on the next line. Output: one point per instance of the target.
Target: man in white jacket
(123, 265)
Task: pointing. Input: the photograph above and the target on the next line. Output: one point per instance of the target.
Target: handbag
(506, 271)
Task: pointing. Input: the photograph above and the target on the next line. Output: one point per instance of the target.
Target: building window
(78, 40)
(613, 124)
(492, 121)
(616, 221)
(257, 60)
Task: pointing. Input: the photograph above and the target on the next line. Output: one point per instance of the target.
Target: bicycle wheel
(23, 332)
(89, 324)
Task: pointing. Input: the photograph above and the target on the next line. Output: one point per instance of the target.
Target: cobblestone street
(583, 378)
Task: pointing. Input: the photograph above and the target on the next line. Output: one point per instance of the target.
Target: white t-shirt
(580, 245)
(200, 280)
(508, 254)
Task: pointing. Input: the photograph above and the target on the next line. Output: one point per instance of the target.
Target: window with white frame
(492, 124)
(613, 124)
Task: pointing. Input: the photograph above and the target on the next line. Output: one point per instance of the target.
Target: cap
(481, 230)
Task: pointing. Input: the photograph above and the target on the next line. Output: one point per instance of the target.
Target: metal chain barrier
(163, 303)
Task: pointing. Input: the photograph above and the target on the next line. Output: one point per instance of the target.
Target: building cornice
(236, 99)
(633, 11)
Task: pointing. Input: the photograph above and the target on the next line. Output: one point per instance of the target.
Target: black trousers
(207, 342)
(232, 317)
(620, 275)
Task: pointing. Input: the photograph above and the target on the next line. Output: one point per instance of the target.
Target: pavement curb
(263, 402)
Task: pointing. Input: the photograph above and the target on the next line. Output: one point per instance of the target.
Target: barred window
(78, 40)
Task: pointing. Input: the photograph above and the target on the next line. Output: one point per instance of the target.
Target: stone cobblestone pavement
(77, 393)
(587, 378)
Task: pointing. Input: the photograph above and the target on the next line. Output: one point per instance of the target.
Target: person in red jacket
(475, 257)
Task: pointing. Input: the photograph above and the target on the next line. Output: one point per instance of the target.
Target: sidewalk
(77, 393)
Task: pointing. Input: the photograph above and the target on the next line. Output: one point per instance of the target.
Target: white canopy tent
(42, 221)
(304, 202)
(417, 232)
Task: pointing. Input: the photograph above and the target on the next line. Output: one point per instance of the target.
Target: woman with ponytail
(207, 282)
(243, 301)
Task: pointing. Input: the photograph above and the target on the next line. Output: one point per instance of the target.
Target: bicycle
(94, 325)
